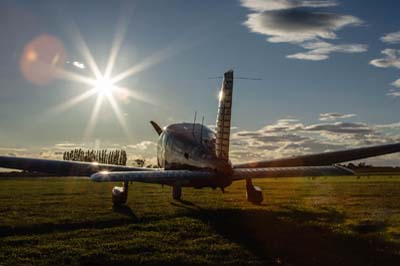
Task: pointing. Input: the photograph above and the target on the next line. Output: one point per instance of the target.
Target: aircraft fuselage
(188, 146)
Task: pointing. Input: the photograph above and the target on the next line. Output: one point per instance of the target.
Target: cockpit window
(193, 131)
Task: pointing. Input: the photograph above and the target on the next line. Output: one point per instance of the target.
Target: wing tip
(99, 176)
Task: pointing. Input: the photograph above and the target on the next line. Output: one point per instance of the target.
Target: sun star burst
(105, 85)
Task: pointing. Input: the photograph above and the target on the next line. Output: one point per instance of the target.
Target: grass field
(327, 221)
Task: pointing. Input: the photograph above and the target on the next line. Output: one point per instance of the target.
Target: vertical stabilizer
(224, 116)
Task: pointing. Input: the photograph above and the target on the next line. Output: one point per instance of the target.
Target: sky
(329, 74)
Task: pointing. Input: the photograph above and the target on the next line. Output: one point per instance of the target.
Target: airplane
(193, 155)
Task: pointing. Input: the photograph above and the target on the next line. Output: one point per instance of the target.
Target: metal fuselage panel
(187, 146)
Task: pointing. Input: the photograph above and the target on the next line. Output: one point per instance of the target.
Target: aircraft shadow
(126, 210)
(182, 203)
(288, 237)
(46, 228)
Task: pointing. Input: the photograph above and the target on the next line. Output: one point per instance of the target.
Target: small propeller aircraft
(193, 155)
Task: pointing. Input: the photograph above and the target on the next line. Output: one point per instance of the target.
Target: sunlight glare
(104, 86)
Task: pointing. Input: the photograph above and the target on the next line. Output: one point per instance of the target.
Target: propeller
(157, 128)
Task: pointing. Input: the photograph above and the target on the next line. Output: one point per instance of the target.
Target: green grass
(327, 221)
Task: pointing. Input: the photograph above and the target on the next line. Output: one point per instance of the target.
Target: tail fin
(224, 116)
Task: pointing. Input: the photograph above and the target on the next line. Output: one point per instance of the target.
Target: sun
(104, 86)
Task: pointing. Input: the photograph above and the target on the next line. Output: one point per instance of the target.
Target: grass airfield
(326, 221)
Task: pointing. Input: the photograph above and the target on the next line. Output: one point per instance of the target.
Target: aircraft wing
(327, 158)
(183, 177)
(62, 168)
(300, 171)
(168, 177)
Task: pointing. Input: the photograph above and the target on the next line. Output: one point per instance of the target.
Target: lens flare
(41, 57)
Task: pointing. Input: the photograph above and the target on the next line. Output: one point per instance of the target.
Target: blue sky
(325, 82)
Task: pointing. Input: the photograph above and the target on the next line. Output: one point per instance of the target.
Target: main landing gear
(120, 195)
(253, 193)
(176, 192)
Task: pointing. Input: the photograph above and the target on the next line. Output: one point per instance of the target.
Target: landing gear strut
(253, 193)
(120, 195)
(176, 192)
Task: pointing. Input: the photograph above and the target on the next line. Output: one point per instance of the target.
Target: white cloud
(391, 59)
(308, 56)
(390, 126)
(68, 146)
(79, 65)
(396, 83)
(321, 50)
(394, 93)
(334, 116)
(284, 21)
(391, 38)
(12, 151)
(291, 137)
(146, 150)
(144, 145)
(6, 149)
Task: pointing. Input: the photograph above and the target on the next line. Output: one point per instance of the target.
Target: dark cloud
(341, 127)
(265, 5)
(313, 145)
(280, 138)
(296, 26)
(295, 22)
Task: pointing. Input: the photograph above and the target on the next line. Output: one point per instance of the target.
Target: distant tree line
(359, 165)
(117, 157)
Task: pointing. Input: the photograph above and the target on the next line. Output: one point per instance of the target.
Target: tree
(117, 157)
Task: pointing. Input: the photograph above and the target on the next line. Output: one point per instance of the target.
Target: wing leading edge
(168, 177)
(62, 168)
(183, 177)
(327, 158)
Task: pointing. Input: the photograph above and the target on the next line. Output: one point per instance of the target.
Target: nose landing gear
(120, 195)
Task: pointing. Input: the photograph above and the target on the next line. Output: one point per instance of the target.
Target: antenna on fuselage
(194, 122)
(201, 130)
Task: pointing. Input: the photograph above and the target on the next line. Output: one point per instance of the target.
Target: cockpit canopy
(194, 132)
